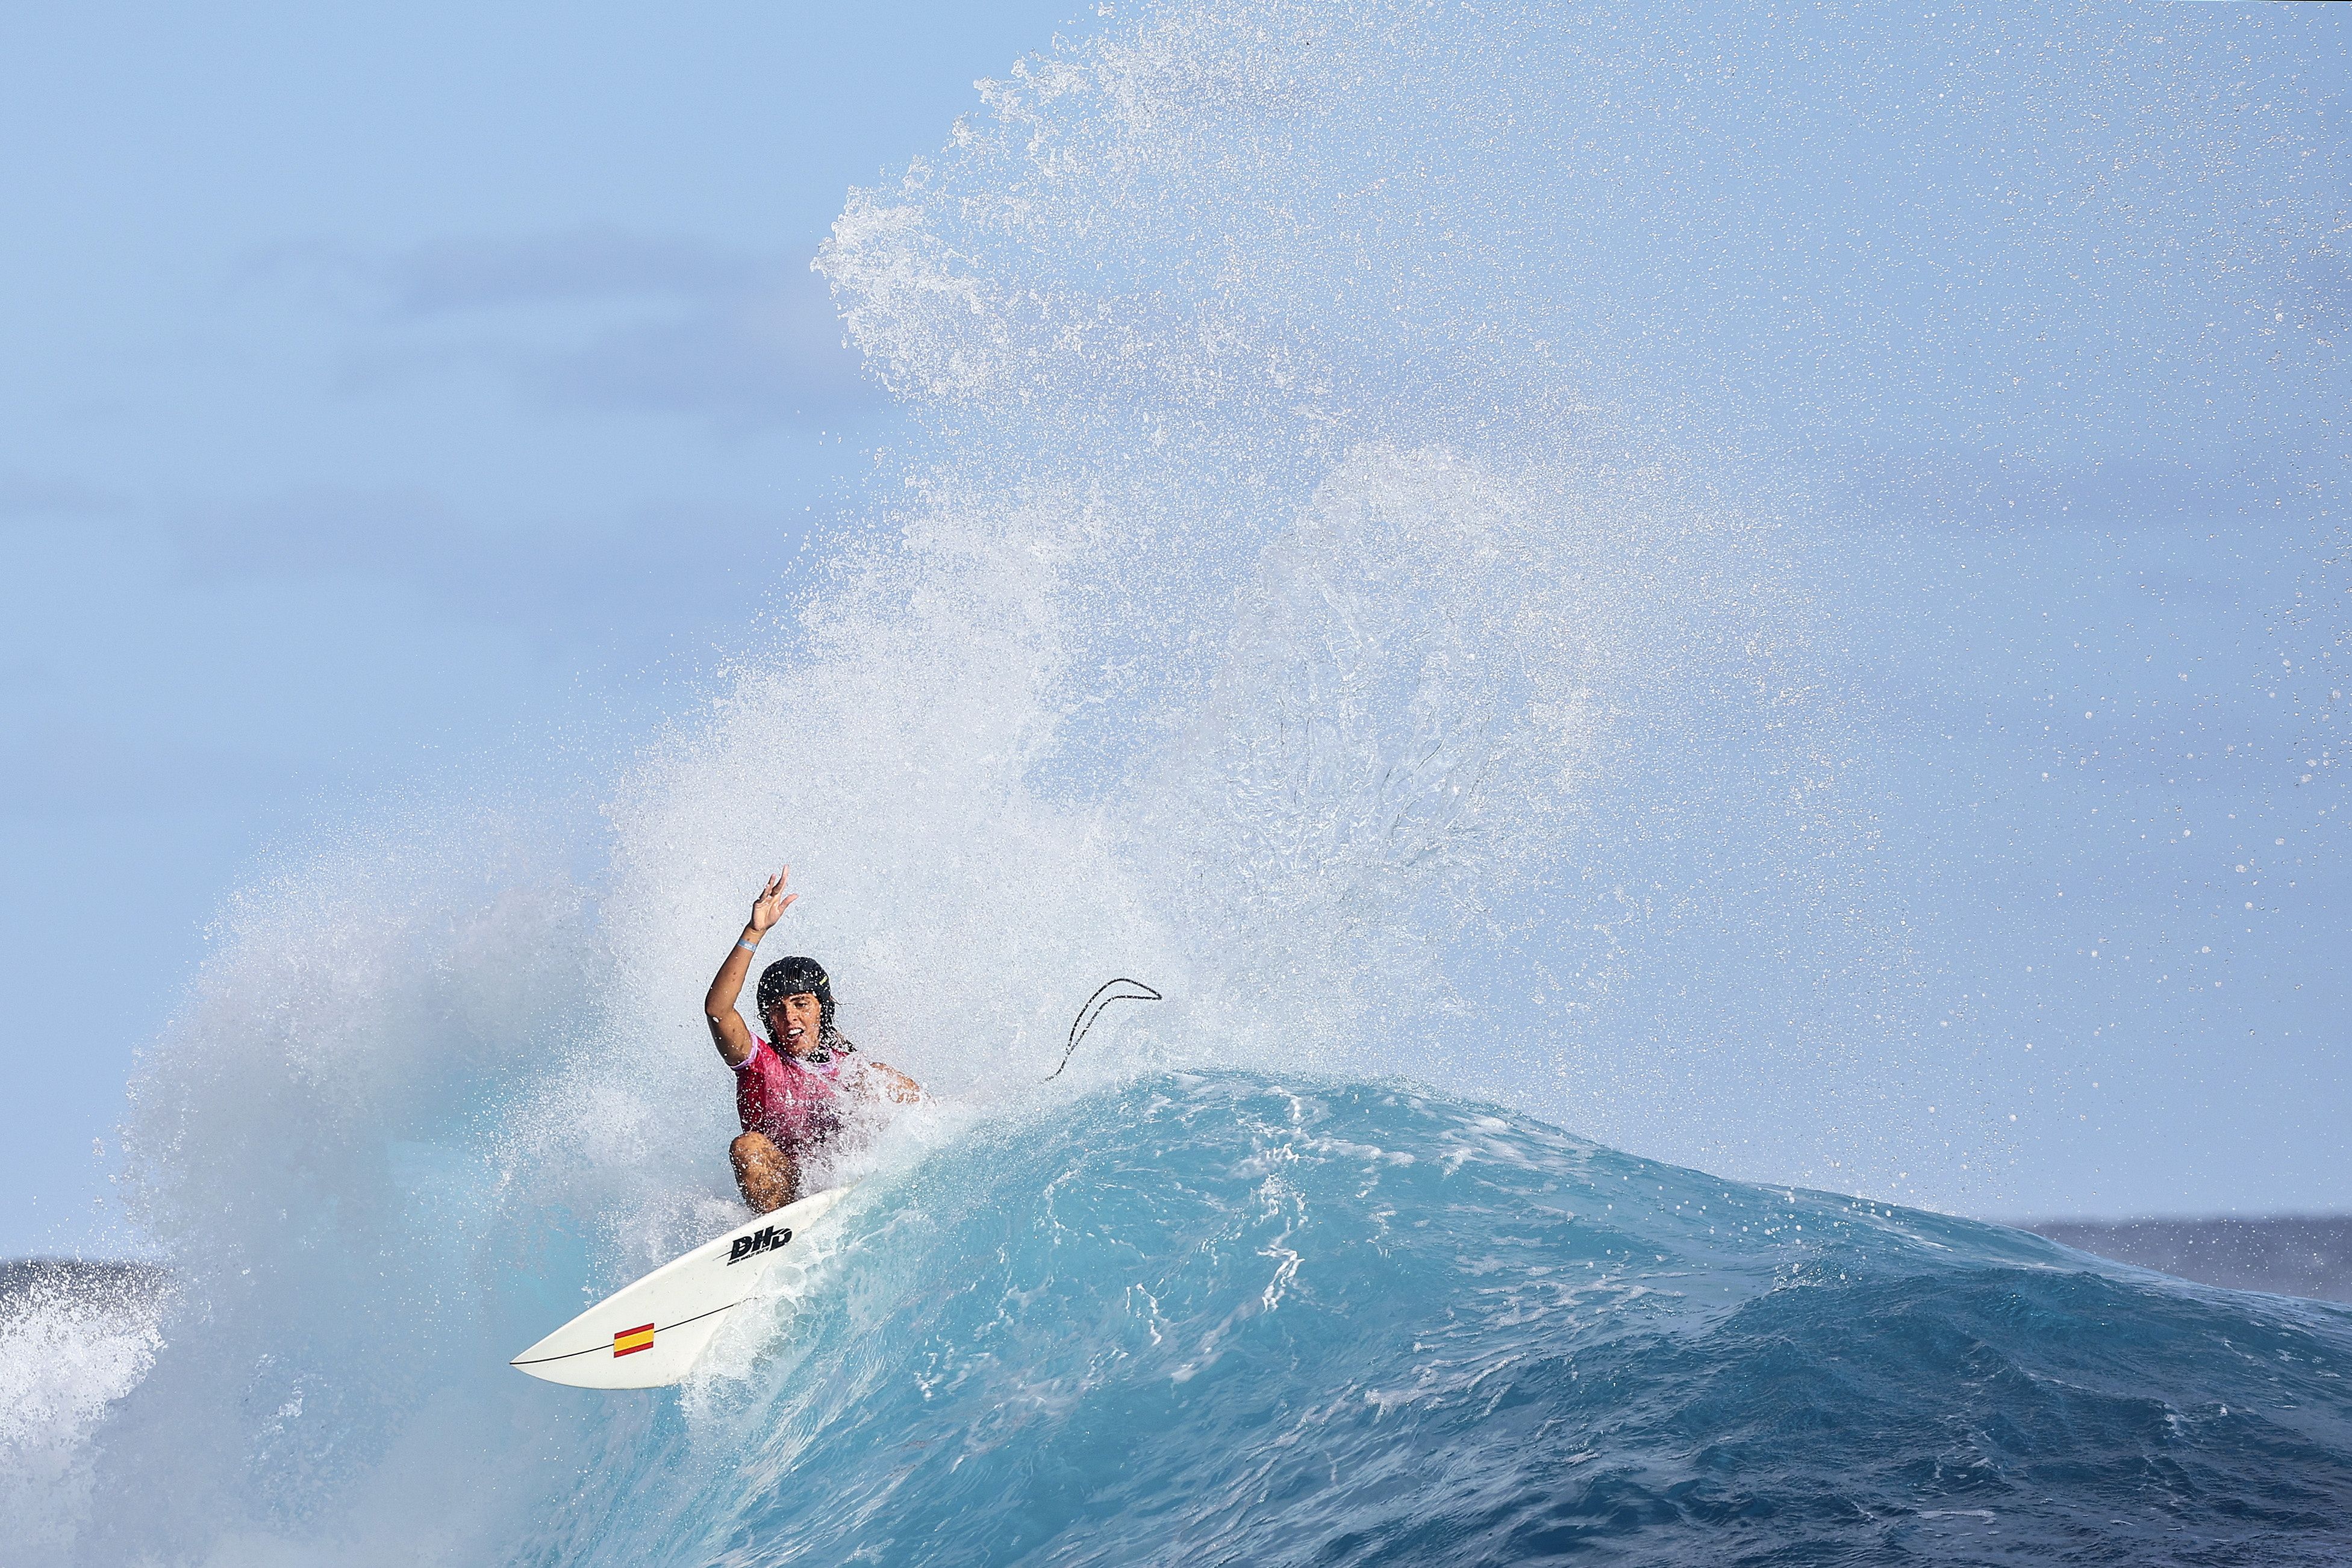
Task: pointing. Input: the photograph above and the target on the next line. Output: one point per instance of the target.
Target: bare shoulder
(882, 1078)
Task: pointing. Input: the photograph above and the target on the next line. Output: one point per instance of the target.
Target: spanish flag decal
(628, 1342)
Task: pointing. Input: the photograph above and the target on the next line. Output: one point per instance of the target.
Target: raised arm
(727, 1030)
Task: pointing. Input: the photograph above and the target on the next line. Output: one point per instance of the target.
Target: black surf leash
(1105, 994)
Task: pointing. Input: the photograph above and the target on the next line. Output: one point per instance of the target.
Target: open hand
(770, 906)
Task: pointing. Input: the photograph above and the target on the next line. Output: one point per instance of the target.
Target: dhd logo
(767, 1239)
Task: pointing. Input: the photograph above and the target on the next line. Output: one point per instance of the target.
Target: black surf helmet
(789, 978)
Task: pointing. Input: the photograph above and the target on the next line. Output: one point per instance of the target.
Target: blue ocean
(1223, 1318)
(1453, 542)
(1230, 1317)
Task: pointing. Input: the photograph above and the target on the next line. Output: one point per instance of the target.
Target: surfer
(792, 1089)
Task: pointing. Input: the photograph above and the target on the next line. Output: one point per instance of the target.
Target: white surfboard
(652, 1332)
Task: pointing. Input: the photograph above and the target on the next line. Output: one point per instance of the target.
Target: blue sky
(385, 394)
(434, 396)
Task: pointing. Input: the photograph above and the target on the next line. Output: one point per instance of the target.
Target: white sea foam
(73, 1340)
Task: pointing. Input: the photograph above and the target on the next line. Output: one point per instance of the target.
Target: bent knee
(753, 1146)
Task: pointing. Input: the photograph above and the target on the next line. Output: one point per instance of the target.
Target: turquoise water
(1212, 1316)
(1226, 1319)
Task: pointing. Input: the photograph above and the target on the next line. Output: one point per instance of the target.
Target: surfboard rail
(650, 1332)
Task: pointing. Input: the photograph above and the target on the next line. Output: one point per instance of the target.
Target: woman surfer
(792, 1089)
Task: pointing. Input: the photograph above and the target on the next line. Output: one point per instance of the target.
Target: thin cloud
(29, 497)
(54, 765)
(599, 320)
(751, 363)
(628, 579)
(477, 275)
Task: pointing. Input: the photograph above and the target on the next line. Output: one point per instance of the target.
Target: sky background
(397, 400)
(385, 396)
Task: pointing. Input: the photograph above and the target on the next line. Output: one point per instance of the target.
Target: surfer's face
(792, 1023)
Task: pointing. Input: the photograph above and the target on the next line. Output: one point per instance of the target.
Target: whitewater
(1365, 565)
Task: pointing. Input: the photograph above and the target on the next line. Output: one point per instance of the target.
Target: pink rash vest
(791, 1101)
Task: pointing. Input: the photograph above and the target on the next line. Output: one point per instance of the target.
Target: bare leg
(769, 1177)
